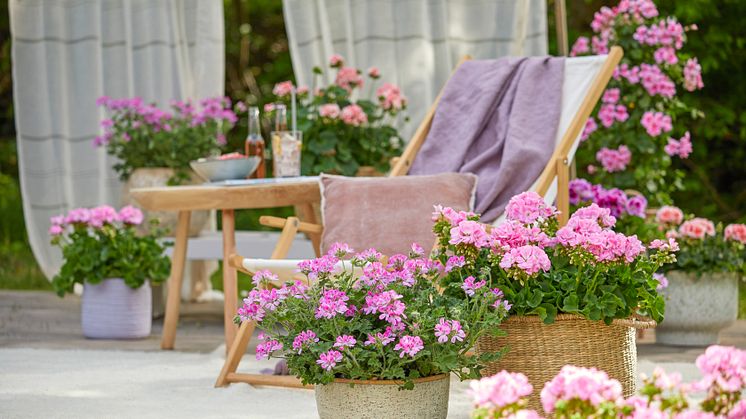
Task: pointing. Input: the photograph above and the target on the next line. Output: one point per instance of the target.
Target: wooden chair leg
(230, 277)
(236, 352)
(171, 318)
(289, 231)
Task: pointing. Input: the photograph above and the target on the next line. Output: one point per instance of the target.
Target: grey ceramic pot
(352, 399)
(697, 308)
(112, 310)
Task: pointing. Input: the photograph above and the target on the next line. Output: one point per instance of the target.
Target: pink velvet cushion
(389, 213)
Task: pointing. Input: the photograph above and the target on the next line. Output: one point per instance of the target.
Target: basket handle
(636, 322)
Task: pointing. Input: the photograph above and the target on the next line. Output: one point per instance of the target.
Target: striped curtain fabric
(415, 43)
(67, 53)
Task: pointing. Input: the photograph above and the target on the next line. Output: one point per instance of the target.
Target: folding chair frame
(558, 166)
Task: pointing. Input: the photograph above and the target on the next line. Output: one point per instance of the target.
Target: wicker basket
(539, 351)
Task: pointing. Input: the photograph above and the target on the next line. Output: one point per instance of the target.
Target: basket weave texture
(539, 351)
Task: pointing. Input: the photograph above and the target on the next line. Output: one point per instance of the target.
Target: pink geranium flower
(348, 78)
(669, 215)
(345, 341)
(693, 75)
(390, 97)
(354, 115)
(303, 338)
(470, 233)
(329, 110)
(336, 60)
(283, 88)
(656, 123)
(409, 345)
(528, 207)
(697, 228)
(374, 72)
(581, 46)
(590, 127)
(101, 215)
(500, 390)
(614, 160)
(735, 232)
(329, 359)
(681, 147)
(530, 259)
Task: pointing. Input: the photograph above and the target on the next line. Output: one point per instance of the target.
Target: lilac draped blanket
(497, 119)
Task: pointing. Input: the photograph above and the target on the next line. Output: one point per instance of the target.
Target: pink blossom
(590, 128)
(55, 230)
(470, 285)
(662, 281)
(656, 82)
(611, 96)
(345, 341)
(336, 60)
(283, 88)
(390, 97)
(614, 160)
(609, 113)
(417, 251)
(265, 349)
(585, 384)
(329, 359)
(314, 268)
(637, 205)
(681, 147)
(57, 220)
(693, 75)
(381, 338)
(511, 234)
(603, 19)
(302, 90)
(580, 191)
(374, 72)
(600, 45)
(530, 259)
(303, 338)
(348, 78)
(452, 216)
(78, 216)
(669, 215)
(354, 115)
(528, 207)
(666, 55)
(631, 74)
(581, 46)
(697, 228)
(130, 215)
(724, 367)
(340, 250)
(656, 123)
(409, 345)
(470, 233)
(454, 262)
(101, 215)
(329, 110)
(331, 303)
(269, 107)
(735, 232)
(263, 275)
(500, 390)
(669, 245)
(591, 169)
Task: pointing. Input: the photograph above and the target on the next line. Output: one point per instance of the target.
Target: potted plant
(103, 251)
(575, 290)
(375, 336)
(344, 134)
(702, 291)
(153, 147)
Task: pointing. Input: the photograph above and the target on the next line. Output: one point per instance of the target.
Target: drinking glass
(286, 153)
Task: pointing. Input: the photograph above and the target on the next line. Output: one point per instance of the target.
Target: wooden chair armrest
(278, 222)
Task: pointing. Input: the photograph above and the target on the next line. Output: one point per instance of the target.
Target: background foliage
(257, 57)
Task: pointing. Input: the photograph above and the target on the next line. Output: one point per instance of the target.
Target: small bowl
(214, 170)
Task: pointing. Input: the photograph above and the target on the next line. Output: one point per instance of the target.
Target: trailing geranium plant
(583, 268)
(342, 132)
(143, 135)
(705, 246)
(578, 392)
(366, 318)
(101, 243)
(639, 126)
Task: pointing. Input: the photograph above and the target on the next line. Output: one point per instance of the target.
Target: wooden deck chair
(585, 79)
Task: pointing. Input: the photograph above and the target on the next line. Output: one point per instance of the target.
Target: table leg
(230, 277)
(178, 259)
(307, 213)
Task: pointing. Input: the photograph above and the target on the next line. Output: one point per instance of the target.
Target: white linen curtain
(415, 43)
(66, 54)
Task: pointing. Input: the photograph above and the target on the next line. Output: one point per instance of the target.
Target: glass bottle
(255, 143)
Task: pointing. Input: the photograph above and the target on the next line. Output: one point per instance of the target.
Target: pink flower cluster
(389, 306)
(260, 301)
(529, 259)
(391, 97)
(409, 345)
(329, 110)
(610, 113)
(667, 32)
(681, 147)
(614, 160)
(95, 218)
(303, 338)
(656, 82)
(348, 78)
(449, 329)
(693, 75)
(669, 216)
(724, 368)
(590, 127)
(582, 192)
(265, 349)
(284, 88)
(329, 359)
(331, 303)
(735, 232)
(469, 233)
(656, 123)
(585, 384)
(500, 391)
(353, 115)
(471, 285)
(528, 208)
(697, 228)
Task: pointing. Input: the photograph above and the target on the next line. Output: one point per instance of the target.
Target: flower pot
(383, 399)
(150, 177)
(540, 350)
(113, 310)
(697, 308)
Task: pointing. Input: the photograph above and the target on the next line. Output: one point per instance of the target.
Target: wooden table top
(254, 193)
